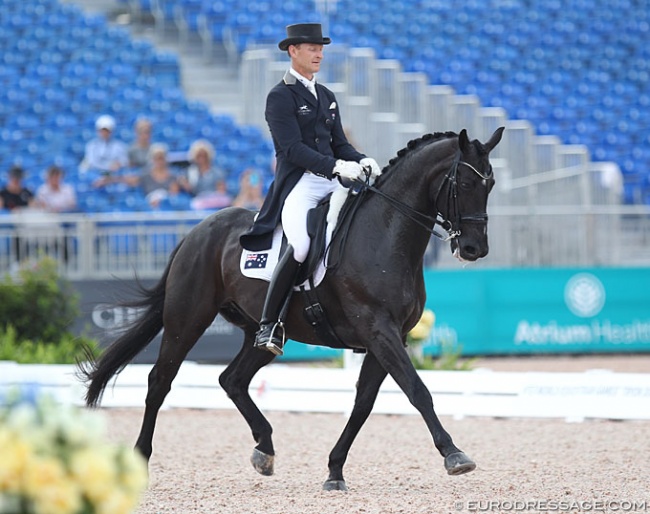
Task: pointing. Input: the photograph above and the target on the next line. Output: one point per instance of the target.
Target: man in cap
(312, 156)
(105, 153)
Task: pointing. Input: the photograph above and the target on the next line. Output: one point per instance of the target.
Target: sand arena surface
(201, 463)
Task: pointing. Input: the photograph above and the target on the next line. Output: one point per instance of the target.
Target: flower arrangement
(55, 460)
(420, 332)
(418, 335)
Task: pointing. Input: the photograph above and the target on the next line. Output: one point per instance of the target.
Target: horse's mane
(414, 144)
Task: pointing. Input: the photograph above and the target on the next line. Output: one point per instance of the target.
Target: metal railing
(526, 235)
(94, 246)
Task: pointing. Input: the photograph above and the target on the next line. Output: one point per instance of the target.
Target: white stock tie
(312, 88)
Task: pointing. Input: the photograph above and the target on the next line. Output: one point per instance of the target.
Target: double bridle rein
(449, 223)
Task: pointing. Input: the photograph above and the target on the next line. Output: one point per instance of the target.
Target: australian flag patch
(256, 260)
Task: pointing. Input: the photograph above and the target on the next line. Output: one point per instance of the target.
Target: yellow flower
(58, 497)
(133, 470)
(419, 331)
(428, 317)
(118, 502)
(423, 327)
(54, 460)
(16, 454)
(95, 471)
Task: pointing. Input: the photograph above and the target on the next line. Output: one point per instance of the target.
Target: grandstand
(577, 71)
(61, 68)
(571, 90)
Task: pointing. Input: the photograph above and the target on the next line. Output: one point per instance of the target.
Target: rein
(428, 222)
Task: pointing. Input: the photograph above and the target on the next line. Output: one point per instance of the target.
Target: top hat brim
(285, 43)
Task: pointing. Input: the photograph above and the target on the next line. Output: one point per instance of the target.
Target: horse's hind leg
(175, 345)
(371, 377)
(235, 381)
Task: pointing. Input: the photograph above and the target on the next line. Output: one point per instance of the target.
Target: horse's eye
(466, 184)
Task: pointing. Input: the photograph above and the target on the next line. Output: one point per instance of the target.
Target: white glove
(375, 170)
(348, 169)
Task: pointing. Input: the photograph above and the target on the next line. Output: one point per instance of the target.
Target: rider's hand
(369, 162)
(348, 169)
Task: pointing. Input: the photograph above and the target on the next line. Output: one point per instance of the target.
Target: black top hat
(304, 33)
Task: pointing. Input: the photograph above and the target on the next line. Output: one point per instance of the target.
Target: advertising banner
(102, 319)
(525, 311)
(478, 312)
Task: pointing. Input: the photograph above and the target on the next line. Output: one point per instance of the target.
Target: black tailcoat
(307, 135)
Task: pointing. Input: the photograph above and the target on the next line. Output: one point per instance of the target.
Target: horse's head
(462, 197)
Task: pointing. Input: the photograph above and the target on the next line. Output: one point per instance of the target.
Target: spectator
(202, 176)
(158, 182)
(54, 195)
(139, 150)
(212, 199)
(104, 153)
(250, 191)
(15, 195)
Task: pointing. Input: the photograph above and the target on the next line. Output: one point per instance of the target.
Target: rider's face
(306, 58)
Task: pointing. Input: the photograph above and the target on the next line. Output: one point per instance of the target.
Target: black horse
(373, 297)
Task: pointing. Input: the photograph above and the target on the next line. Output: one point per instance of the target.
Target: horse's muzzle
(468, 249)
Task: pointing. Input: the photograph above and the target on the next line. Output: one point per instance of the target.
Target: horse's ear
(494, 140)
(463, 141)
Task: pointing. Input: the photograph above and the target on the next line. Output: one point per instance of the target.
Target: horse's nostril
(470, 251)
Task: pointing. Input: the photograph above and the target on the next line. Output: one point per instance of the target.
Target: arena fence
(596, 394)
(125, 244)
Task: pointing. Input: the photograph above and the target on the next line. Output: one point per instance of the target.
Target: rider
(311, 150)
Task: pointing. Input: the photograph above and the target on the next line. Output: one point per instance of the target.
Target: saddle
(319, 253)
(260, 265)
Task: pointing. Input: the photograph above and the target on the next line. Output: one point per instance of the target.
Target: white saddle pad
(261, 264)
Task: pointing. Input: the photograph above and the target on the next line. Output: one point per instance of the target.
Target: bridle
(449, 223)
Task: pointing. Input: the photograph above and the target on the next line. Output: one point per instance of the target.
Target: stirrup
(275, 342)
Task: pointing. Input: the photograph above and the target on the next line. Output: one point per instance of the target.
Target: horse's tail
(137, 335)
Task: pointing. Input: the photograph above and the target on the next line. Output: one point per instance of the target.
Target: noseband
(451, 222)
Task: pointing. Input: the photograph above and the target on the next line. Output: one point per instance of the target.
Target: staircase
(214, 82)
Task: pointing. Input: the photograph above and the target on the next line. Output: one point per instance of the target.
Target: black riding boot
(271, 333)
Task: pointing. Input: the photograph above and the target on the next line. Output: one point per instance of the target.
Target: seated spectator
(139, 150)
(15, 195)
(202, 176)
(209, 200)
(104, 153)
(250, 194)
(54, 195)
(158, 182)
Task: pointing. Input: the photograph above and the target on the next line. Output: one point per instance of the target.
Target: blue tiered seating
(579, 70)
(582, 78)
(60, 70)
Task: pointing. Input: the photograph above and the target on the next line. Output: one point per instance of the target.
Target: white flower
(55, 460)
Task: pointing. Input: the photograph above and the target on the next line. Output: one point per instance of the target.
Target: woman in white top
(54, 195)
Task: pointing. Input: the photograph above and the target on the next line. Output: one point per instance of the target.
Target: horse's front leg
(370, 379)
(235, 381)
(392, 355)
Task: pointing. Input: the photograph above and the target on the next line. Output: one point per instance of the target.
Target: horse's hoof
(458, 464)
(335, 485)
(262, 462)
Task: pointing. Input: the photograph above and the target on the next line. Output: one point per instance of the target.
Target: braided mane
(419, 142)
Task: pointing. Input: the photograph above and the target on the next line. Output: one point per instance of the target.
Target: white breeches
(309, 190)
